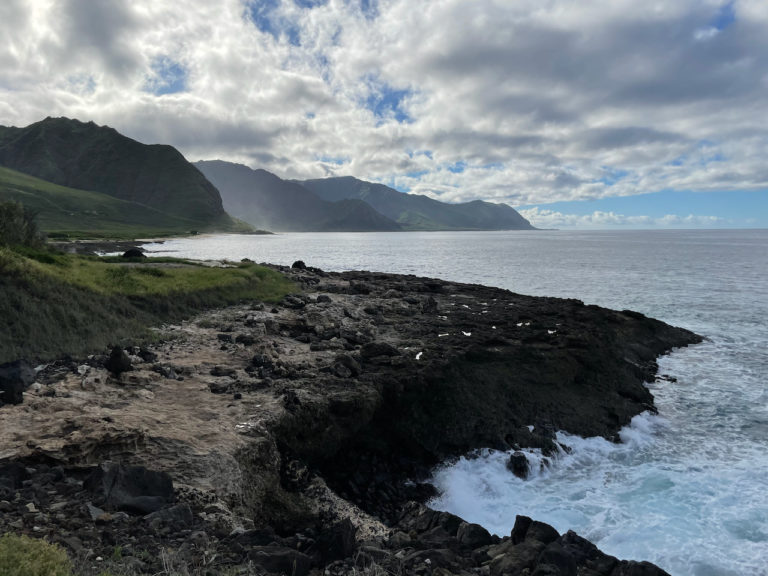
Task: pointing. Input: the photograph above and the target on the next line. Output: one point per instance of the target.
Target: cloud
(537, 102)
(544, 218)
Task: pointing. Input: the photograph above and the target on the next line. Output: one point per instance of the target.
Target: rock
(223, 337)
(558, 558)
(294, 302)
(632, 568)
(515, 558)
(178, 517)
(280, 560)
(15, 377)
(223, 371)
(134, 253)
(12, 475)
(541, 532)
(375, 349)
(147, 355)
(345, 366)
(473, 535)
(299, 265)
(522, 523)
(133, 489)
(518, 465)
(323, 299)
(118, 361)
(245, 339)
(337, 542)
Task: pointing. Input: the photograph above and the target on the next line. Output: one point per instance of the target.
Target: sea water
(686, 489)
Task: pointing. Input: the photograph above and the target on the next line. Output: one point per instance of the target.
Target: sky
(580, 113)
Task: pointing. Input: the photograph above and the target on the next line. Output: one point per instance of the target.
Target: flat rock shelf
(296, 438)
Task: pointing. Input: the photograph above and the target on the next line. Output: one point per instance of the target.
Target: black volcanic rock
(97, 158)
(266, 201)
(15, 377)
(417, 212)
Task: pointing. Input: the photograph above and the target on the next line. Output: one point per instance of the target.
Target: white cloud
(540, 101)
(544, 218)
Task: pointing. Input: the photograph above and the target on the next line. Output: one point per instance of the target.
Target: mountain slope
(267, 201)
(417, 212)
(97, 158)
(63, 211)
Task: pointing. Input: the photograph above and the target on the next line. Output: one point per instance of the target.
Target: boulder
(12, 474)
(132, 489)
(178, 517)
(473, 536)
(518, 465)
(299, 265)
(134, 253)
(374, 349)
(118, 361)
(280, 560)
(337, 542)
(15, 378)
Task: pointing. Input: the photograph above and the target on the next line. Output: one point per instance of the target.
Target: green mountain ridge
(418, 212)
(68, 212)
(267, 201)
(94, 158)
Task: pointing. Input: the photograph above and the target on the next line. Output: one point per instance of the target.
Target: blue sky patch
(264, 15)
(169, 77)
(726, 16)
(310, 3)
(739, 207)
(612, 176)
(387, 102)
(457, 167)
(337, 160)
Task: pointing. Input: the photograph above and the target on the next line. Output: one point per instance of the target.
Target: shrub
(24, 556)
(18, 226)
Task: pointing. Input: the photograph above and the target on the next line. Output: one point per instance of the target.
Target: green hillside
(85, 156)
(67, 212)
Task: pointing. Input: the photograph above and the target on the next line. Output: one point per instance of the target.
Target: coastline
(320, 413)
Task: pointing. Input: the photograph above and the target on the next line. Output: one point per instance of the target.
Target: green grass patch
(54, 304)
(24, 556)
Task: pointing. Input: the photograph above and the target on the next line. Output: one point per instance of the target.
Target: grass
(54, 304)
(24, 556)
(68, 213)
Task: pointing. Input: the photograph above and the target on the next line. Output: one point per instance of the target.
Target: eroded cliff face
(302, 416)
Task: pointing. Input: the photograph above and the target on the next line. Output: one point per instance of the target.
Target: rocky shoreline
(296, 438)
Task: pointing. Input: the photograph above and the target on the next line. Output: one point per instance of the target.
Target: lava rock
(134, 253)
(299, 265)
(133, 489)
(280, 560)
(473, 536)
(518, 465)
(118, 361)
(15, 377)
(375, 349)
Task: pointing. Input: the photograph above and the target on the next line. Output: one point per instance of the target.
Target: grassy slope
(56, 304)
(67, 212)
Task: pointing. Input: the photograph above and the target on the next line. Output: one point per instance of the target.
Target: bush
(24, 556)
(18, 226)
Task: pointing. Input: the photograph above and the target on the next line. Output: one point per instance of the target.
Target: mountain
(267, 201)
(67, 212)
(417, 212)
(85, 156)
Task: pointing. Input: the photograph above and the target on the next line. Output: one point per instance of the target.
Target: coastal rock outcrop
(307, 444)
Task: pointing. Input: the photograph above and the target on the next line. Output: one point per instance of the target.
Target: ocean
(688, 488)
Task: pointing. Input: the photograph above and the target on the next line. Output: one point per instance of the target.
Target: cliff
(298, 436)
